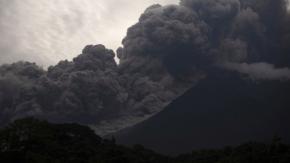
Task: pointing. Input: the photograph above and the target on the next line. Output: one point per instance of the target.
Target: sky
(169, 50)
(47, 31)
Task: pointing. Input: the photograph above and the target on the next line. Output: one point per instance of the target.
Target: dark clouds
(249, 33)
(214, 11)
(171, 34)
(91, 90)
(189, 37)
(164, 54)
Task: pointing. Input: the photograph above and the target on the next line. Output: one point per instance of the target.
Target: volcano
(223, 109)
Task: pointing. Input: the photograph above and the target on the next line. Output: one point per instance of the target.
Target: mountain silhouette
(223, 109)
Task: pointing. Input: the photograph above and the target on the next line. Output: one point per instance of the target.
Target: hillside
(32, 141)
(223, 109)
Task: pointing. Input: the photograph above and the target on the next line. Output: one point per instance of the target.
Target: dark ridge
(32, 141)
(223, 109)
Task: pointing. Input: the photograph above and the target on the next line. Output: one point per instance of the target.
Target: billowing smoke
(260, 71)
(167, 52)
(190, 38)
(90, 90)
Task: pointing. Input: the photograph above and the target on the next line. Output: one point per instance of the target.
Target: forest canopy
(31, 140)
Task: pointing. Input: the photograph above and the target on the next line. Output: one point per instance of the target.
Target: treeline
(33, 141)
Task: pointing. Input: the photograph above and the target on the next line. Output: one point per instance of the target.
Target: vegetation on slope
(33, 141)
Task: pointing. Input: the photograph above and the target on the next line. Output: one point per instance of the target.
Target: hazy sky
(46, 31)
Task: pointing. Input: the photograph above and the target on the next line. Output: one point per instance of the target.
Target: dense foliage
(30, 140)
(33, 141)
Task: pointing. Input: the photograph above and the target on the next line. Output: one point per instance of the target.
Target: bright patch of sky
(47, 31)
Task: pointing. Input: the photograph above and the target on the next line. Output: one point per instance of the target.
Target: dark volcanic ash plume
(192, 37)
(90, 90)
(168, 51)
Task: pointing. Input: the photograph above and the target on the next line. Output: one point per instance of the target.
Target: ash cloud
(169, 50)
(91, 90)
(261, 71)
(196, 35)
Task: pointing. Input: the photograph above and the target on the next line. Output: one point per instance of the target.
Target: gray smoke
(197, 34)
(261, 71)
(169, 50)
(91, 90)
